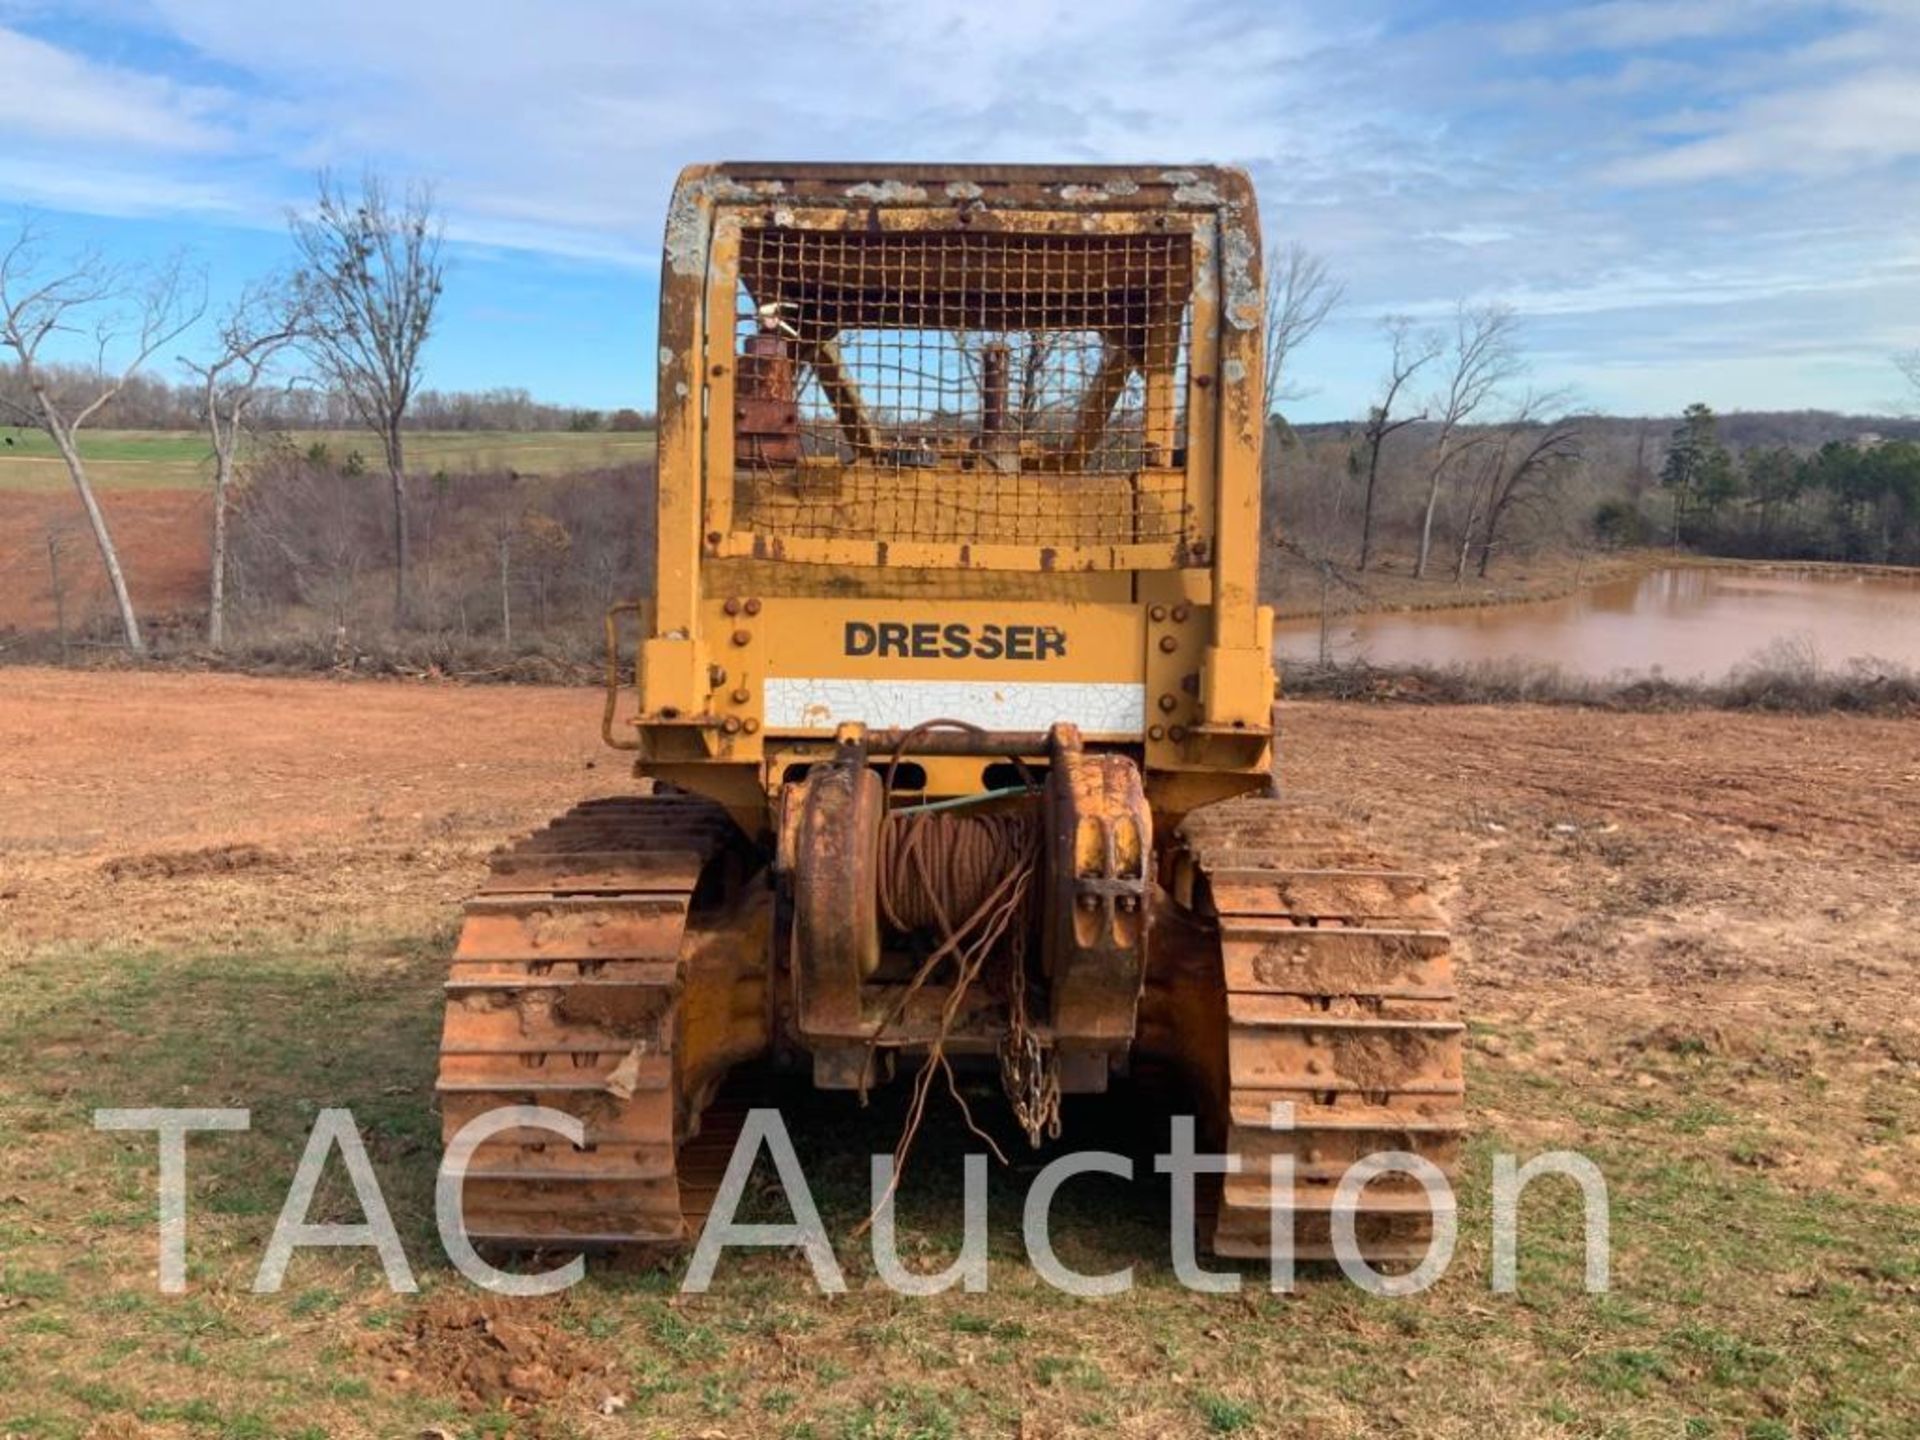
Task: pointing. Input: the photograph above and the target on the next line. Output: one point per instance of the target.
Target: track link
(1337, 983)
(570, 987)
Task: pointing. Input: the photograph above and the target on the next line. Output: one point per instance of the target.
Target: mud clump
(486, 1353)
(176, 864)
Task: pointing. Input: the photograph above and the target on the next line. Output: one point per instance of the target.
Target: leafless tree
(1412, 351)
(123, 314)
(1301, 293)
(57, 540)
(1908, 363)
(1518, 470)
(370, 280)
(1481, 356)
(255, 333)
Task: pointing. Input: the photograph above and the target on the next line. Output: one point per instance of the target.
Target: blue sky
(1684, 199)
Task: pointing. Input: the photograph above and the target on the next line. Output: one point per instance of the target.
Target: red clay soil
(485, 1352)
(1630, 892)
(163, 541)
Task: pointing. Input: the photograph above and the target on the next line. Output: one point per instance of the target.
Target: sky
(1682, 199)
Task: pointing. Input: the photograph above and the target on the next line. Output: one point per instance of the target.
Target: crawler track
(582, 964)
(1336, 980)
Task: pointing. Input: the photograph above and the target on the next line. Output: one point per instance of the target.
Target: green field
(172, 459)
(1744, 1310)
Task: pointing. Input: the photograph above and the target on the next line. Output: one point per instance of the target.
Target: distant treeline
(151, 402)
(1644, 438)
(1806, 485)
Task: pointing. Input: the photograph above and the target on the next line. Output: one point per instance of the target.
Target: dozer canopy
(1005, 368)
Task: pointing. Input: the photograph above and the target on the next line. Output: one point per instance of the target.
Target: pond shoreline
(1564, 575)
(1701, 622)
(1774, 688)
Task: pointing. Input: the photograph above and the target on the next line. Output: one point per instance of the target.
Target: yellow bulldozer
(953, 726)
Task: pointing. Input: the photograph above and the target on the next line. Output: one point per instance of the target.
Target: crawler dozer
(952, 721)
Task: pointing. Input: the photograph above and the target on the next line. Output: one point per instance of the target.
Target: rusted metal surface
(1335, 989)
(609, 713)
(913, 418)
(836, 923)
(1099, 836)
(584, 981)
(766, 405)
(967, 384)
(1100, 376)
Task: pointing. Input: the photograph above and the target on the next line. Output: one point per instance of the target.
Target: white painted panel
(796, 703)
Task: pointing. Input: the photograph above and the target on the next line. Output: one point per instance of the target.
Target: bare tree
(370, 281)
(1519, 470)
(1301, 293)
(256, 332)
(1481, 356)
(1908, 363)
(1411, 352)
(129, 315)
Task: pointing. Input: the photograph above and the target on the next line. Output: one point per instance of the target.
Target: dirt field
(153, 485)
(1688, 950)
(163, 540)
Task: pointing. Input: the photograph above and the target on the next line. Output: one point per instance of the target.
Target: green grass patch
(1740, 1306)
(177, 459)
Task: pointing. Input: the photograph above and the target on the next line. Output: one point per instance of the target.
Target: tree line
(154, 402)
(334, 338)
(1851, 500)
(1457, 448)
(1459, 458)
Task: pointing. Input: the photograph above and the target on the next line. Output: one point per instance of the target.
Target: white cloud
(1576, 163)
(95, 188)
(1637, 24)
(50, 94)
(1860, 121)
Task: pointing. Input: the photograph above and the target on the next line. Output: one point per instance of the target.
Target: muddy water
(1683, 623)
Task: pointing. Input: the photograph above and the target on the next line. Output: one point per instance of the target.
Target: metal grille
(962, 386)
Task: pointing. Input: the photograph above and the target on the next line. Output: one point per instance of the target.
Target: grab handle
(614, 612)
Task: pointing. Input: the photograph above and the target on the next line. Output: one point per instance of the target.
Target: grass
(1779, 679)
(1740, 1308)
(173, 459)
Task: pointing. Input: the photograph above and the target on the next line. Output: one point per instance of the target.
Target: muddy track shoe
(588, 979)
(1342, 1028)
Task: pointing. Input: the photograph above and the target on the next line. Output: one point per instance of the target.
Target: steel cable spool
(936, 871)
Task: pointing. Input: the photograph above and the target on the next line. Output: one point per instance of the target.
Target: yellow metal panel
(678, 457)
(1176, 615)
(1094, 643)
(721, 370)
(732, 575)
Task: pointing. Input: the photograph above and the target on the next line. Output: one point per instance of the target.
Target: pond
(1684, 623)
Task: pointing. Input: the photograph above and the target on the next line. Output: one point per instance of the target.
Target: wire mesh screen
(962, 386)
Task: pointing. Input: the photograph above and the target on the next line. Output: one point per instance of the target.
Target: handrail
(624, 607)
